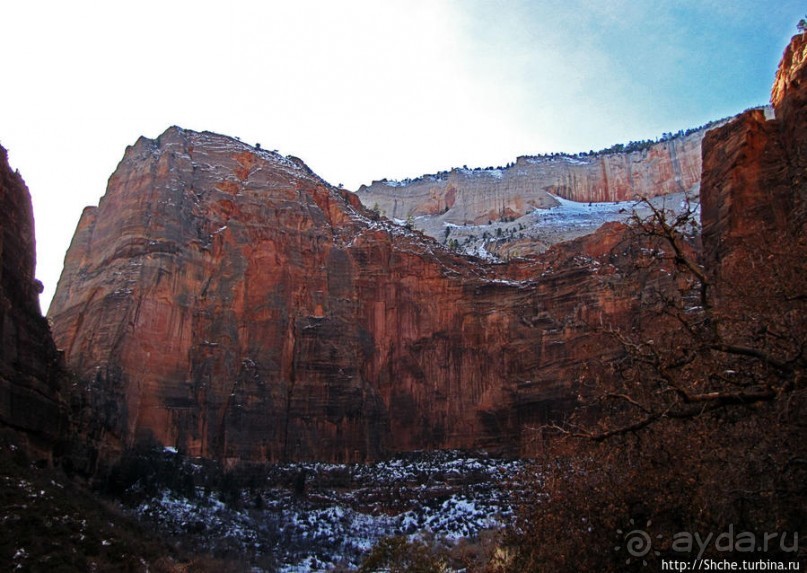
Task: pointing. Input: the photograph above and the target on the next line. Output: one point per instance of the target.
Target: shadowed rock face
(754, 201)
(30, 373)
(227, 301)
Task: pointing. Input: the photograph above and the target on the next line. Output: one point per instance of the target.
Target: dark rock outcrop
(754, 201)
(31, 377)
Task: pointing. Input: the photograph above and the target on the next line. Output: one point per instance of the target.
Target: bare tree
(693, 357)
(698, 426)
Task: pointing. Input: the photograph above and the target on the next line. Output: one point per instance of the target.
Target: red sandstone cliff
(225, 300)
(30, 373)
(754, 209)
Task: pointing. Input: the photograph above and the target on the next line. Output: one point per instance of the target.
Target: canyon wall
(473, 197)
(754, 209)
(31, 377)
(224, 300)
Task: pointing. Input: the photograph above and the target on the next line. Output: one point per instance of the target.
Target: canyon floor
(297, 518)
(290, 518)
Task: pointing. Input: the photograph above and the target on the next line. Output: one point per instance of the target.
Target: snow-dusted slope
(313, 517)
(540, 228)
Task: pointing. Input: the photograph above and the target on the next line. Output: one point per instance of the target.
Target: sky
(364, 89)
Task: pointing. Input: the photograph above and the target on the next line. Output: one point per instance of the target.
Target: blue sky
(364, 89)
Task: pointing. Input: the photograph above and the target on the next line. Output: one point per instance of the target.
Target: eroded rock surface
(468, 196)
(754, 202)
(31, 377)
(226, 301)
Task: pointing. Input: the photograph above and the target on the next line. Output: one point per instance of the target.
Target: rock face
(465, 196)
(31, 377)
(224, 300)
(754, 202)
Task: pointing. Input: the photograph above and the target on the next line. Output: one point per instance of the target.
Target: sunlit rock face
(31, 378)
(468, 196)
(224, 300)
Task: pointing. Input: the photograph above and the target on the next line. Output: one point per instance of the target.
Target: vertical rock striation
(31, 377)
(226, 301)
(467, 196)
(754, 203)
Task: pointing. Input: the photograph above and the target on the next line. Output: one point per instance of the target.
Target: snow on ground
(478, 250)
(315, 517)
(544, 227)
(570, 214)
